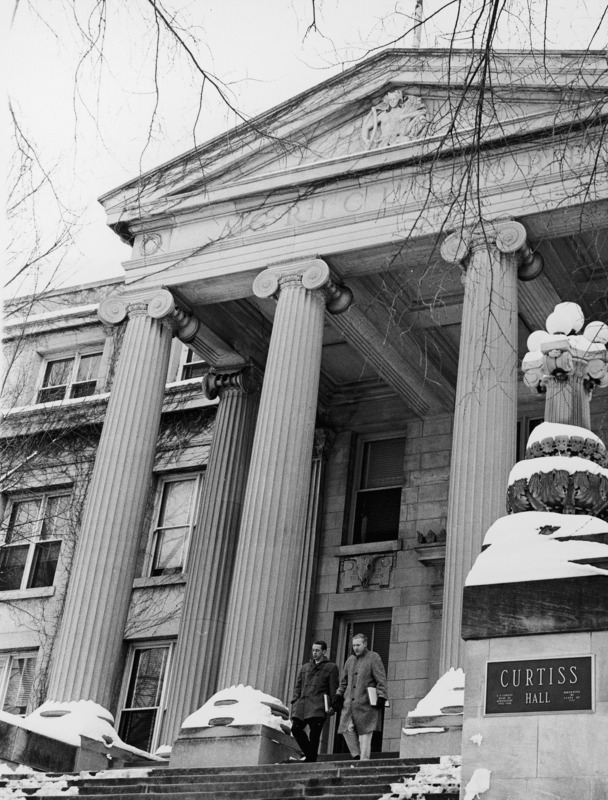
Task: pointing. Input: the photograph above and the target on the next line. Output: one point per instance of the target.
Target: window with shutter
(16, 681)
(143, 703)
(174, 520)
(378, 497)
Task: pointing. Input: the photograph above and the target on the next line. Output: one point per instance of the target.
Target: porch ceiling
(402, 332)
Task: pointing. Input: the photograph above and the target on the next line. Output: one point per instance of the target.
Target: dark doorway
(378, 634)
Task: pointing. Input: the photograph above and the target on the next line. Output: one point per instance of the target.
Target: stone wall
(413, 587)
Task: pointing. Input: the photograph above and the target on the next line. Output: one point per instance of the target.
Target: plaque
(539, 685)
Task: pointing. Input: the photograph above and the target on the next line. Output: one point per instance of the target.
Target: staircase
(329, 780)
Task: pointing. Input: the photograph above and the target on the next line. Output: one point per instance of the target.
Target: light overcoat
(359, 673)
(314, 680)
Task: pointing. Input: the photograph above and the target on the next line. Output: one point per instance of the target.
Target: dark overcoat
(359, 673)
(314, 680)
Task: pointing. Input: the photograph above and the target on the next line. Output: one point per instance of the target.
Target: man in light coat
(360, 718)
(317, 678)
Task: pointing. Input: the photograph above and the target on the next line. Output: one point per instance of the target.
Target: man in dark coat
(360, 718)
(317, 678)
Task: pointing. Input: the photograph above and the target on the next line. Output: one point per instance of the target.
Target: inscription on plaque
(535, 685)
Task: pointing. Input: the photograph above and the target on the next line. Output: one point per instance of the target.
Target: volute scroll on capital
(313, 275)
(507, 236)
(246, 380)
(159, 305)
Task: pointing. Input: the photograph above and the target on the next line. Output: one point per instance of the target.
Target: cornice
(340, 169)
(573, 72)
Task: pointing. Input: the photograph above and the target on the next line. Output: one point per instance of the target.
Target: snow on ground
(442, 778)
(447, 693)
(244, 704)
(519, 552)
(479, 784)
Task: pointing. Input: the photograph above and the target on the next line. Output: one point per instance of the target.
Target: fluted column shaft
(211, 558)
(485, 416)
(301, 642)
(271, 540)
(87, 657)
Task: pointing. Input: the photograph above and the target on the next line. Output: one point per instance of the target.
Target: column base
(243, 745)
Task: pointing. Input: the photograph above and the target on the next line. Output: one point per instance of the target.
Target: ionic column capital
(312, 274)
(242, 380)
(507, 236)
(159, 304)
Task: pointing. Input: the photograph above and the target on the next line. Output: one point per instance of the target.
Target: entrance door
(378, 632)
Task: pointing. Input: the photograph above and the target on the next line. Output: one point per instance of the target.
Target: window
(75, 376)
(16, 679)
(525, 426)
(146, 679)
(174, 520)
(193, 366)
(378, 497)
(33, 530)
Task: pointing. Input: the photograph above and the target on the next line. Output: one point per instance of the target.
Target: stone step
(288, 774)
(193, 796)
(339, 785)
(227, 795)
(362, 767)
(368, 780)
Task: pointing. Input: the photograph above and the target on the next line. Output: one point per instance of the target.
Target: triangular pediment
(398, 102)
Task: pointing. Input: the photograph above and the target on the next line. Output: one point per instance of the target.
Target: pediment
(393, 102)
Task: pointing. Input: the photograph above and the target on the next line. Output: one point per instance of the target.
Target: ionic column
(485, 416)
(271, 541)
(211, 557)
(87, 656)
(300, 645)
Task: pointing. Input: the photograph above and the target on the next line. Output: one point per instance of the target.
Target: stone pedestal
(432, 742)
(271, 540)
(485, 416)
(211, 557)
(535, 755)
(88, 654)
(22, 747)
(243, 745)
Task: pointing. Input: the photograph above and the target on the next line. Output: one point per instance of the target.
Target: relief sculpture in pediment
(398, 119)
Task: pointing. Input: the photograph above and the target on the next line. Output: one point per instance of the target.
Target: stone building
(353, 276)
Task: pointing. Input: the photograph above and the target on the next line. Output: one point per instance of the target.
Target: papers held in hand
(327, 703)
(372, 694)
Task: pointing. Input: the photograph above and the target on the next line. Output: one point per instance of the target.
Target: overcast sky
(90, 115)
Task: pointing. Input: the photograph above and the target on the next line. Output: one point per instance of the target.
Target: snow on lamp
(567, 364)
